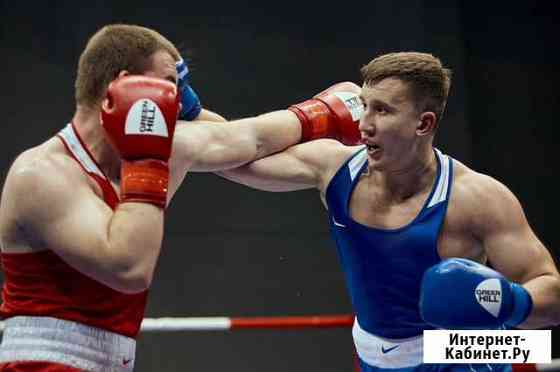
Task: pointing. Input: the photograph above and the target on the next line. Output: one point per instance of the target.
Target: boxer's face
(162, 66)
(388, 125)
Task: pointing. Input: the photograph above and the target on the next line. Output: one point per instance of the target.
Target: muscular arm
(213, 147)
(217, 146)
(63, 214)
(304, 166)
(514, 250)
(207, 115)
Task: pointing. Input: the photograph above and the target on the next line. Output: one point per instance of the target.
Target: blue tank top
(383, 267)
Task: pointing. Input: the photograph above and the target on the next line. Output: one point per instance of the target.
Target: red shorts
(36, 367)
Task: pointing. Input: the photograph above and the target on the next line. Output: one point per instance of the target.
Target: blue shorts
(441, 368)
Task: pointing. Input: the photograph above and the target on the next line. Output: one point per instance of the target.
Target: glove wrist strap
(522, 305)
(145, 181)
(315, 119)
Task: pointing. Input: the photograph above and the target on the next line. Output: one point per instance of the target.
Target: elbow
(263, 149)
(133, 281)
(556, 302)
(130, 275)
(250, 148)
(546, 301)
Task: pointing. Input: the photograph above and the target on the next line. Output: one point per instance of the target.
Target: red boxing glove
(139, 117)
(333, 113)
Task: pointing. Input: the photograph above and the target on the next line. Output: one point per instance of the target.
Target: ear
(179, 111)
(123, 73)
(427, 123)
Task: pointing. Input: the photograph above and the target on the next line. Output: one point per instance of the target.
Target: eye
(380, 110)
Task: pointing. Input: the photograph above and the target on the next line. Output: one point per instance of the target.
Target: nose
(366, 126)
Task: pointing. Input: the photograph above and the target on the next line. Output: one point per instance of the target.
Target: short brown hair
(109, 51)
(428, 79)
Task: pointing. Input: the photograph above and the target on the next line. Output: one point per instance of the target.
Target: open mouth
(372, 148)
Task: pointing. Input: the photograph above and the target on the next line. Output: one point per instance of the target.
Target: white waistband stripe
(65, 342)
(387, 353)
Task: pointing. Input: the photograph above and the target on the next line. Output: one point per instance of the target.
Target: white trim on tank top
(442, 188)
(75, 146)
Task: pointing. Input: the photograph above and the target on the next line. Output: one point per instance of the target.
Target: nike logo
(385, 351)
(337, 224)
(126, 361)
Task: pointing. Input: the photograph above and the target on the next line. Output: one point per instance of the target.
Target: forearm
(545, 293)
(213, 147)
(275, 131)
(134, 238)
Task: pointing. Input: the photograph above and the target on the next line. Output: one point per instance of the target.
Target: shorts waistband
(387, 353)
(28, 338)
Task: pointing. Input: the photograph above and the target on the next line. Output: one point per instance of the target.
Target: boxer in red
(81, 215)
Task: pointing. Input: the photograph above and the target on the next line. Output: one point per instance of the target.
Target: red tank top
(42, 284)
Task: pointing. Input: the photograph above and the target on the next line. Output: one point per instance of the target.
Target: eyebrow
(376, 101)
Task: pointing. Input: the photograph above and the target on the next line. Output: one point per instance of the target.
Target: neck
(87, 124)
(414, 177)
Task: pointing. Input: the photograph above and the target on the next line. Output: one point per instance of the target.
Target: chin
(376, 164)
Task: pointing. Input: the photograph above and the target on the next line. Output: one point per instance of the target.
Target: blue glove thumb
(189, 99)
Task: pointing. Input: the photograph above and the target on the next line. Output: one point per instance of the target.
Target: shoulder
(331, 155)
(480, 186)
(39, 178)
(485, 200)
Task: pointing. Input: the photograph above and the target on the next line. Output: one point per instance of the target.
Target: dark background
(236, 252)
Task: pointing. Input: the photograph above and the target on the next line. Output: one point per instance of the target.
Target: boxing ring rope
(225, 323)
(193, 324)
(189, 324)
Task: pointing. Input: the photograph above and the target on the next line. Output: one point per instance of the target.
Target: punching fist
(189, 99)
(333, 113)
(139, 115)
(461, 294)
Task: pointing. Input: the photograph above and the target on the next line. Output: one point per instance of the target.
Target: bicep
(509, 242)
(279, 172)
(72, 222)
(299, 167)
(80, 232)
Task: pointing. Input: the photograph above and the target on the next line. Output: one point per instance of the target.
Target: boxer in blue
(414, 228)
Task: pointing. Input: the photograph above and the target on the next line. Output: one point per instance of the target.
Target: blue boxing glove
(189, 99)
(461, 294)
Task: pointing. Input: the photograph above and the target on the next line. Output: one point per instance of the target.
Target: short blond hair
(109, 51)
(428, 79)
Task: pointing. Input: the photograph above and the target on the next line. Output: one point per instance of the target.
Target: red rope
(529, 367)
(297, 322)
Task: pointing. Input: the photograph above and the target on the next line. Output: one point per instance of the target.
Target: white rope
(553, 366)
(185, 324)
(179, 324)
